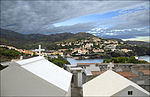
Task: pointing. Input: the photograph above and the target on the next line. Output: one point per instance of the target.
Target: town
(88, 47)
(83, 73)
(74, 48)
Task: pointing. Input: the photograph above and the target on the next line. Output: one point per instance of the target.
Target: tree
(60, 61)
(124, 60)
(132, 60)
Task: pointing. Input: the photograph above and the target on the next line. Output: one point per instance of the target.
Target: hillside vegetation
(124, 60)
(71, 42)
(8, 54)
(31, 41)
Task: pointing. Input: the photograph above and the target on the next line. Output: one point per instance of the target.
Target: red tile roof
(97, 72)
(127, 74)
(81, 64)
(124, 74)
(146, 72)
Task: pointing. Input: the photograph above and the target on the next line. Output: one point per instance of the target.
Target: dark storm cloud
(82, 27)
(39, 16)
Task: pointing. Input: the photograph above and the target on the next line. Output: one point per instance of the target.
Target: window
(130, 92)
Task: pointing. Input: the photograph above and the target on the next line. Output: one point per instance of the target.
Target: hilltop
(31, 41)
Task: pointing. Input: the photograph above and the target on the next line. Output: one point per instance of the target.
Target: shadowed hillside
(31, 41)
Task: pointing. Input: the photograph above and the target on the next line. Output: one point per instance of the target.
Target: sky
(126, 19)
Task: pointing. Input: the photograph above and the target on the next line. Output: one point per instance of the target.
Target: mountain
(31, 41)
(138, 43)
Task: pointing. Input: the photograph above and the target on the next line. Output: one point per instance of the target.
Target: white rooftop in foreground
(108, 84)
(47, 71)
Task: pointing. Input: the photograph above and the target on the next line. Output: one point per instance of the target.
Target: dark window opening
(130, 92)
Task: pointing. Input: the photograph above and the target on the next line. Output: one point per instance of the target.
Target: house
(28, 52)
(96, 73)
(145, 71)
(143, 78)
(88, 45)
(98, 50)
(107, 42)
(125, 50)
(35, 77)
(96, 39)
(20, 50)
(111, 84)
(82, 51)
(128, 75)
(58, 53)
(75, 50)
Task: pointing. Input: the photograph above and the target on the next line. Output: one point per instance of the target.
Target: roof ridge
(32, 62)
(27, 61)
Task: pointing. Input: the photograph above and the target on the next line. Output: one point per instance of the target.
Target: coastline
(98, 60)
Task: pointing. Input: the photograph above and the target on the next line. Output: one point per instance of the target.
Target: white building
(35, 77)
(111, 84)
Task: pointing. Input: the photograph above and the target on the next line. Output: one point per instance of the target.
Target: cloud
(128, 25)
(140, 38)
(39, 16)
(81, 27)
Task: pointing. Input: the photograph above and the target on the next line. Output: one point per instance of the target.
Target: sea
(146, 58)
(74, 62)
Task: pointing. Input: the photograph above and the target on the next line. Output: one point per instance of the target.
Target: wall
(16, 81)
(68, 94)
(136, 93)
(79, 78)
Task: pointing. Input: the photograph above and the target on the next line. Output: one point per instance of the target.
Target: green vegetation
(8, 54)
(138, 50)
(124, 60)
(139, 43)
(31, 41)
(2, 67)
(60, 61)
(72, 41)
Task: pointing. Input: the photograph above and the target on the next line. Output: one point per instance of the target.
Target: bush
(9, 53)
(58, 61)
(124, 60)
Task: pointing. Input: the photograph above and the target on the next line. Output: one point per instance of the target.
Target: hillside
(8, 54)
(31, 41)
(138, 43)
